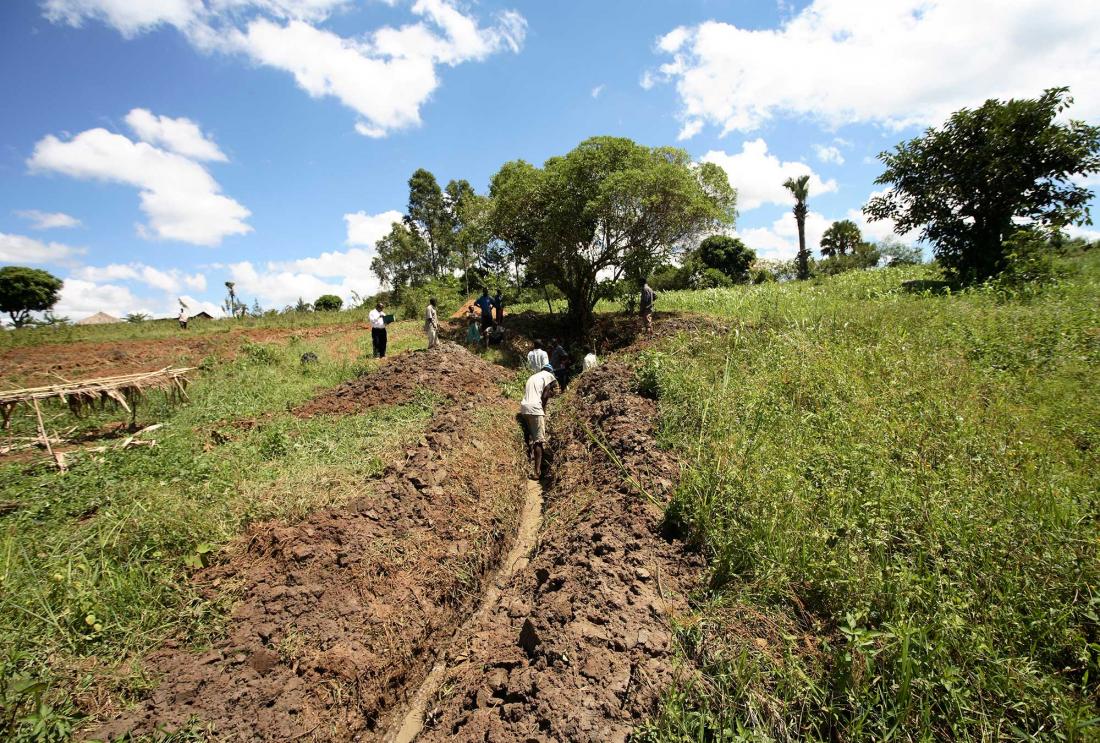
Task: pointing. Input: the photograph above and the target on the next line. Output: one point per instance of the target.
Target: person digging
(540, 387)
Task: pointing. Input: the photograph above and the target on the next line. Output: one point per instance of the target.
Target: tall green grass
(898, 496)
(94, 562)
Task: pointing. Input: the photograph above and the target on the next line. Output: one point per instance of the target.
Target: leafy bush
(328, 303)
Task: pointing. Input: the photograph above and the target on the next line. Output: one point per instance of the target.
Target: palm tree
(800, 189)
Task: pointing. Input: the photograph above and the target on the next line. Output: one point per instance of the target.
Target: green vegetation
(897, 490)
(971, 184)
(93, 562)
(26, 290)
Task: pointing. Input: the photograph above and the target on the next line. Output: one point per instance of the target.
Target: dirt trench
(336, 616)
(578, 644)
(397, 619)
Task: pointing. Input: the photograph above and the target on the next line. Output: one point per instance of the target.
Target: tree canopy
(608, 209)
(728, 255)
(840, 238)
(26, 290)
(328, 303)
(985, 174)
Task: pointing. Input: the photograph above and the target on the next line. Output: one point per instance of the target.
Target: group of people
(486, 325)
(550, 369)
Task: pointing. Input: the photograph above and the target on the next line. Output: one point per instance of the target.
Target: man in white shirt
(183, 318)
(538, 358)
(540, 387)
(431, 324)
(378, 331)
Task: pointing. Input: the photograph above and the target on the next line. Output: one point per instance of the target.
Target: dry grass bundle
(124, 391)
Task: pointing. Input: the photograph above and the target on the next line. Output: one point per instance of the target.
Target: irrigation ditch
(455, 599)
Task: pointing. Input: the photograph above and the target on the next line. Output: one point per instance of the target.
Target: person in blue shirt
(485, 303)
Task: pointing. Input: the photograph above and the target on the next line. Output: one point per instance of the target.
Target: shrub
(328, 303)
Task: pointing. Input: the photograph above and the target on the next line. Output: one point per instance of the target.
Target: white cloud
(181, 136)
(48, 220)
(280, 284)
(22, 249)
(828, 154)
(80, 298)
(1082, 231)
(892, 62)
(780, 240)
(882, 228)
(171, 281)
(758, 176)
(385, 75)
(367, 229)
(597, 90)
(180, 197)
(130, 17)
(647, 80)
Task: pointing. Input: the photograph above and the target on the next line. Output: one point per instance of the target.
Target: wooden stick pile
(124, 391)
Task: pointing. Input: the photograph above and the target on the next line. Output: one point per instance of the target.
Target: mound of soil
(338, 614)
(579, 646)
(448, 369)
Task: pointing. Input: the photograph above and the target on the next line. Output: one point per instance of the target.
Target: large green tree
(800, 189)
(430, 219)
(728, 255)
(399, 261)
(989, 171)
(328, 303)
(608, 209)
(840, 238)
(26, 290)
(468, 218)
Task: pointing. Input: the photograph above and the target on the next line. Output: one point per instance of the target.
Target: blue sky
(152, 150)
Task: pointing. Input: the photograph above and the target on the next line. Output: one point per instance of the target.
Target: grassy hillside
(93, 562)
(897, 492)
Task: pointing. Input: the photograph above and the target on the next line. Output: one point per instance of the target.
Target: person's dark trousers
(378, 342)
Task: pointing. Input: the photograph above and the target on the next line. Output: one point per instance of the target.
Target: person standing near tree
(378, 331)
(537, 392)
(645, 306)
(431, 324)
(498, 307)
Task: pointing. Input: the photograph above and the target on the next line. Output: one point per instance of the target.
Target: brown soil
(579, 645)
(42, 364)
(339, 614)
(449, 370)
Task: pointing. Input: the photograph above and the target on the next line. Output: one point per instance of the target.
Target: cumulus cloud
(385, 76)
(780, 239)
(758, 175)
(597, 90)
(48, 220)
(178, 195)
(280, 284)
(367, 229)
(181, 136)
(80, 298)
(828, 154)
(171, 281)
(22, 249)
(892, 62)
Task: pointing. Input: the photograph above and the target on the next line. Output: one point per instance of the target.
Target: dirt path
(408, 726)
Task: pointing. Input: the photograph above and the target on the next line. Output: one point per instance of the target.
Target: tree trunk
(803, 257)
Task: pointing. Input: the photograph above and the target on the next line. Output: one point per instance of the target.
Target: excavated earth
(337, 615)
(579, 645)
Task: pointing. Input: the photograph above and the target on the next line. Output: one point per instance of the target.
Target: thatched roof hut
(99, 318)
